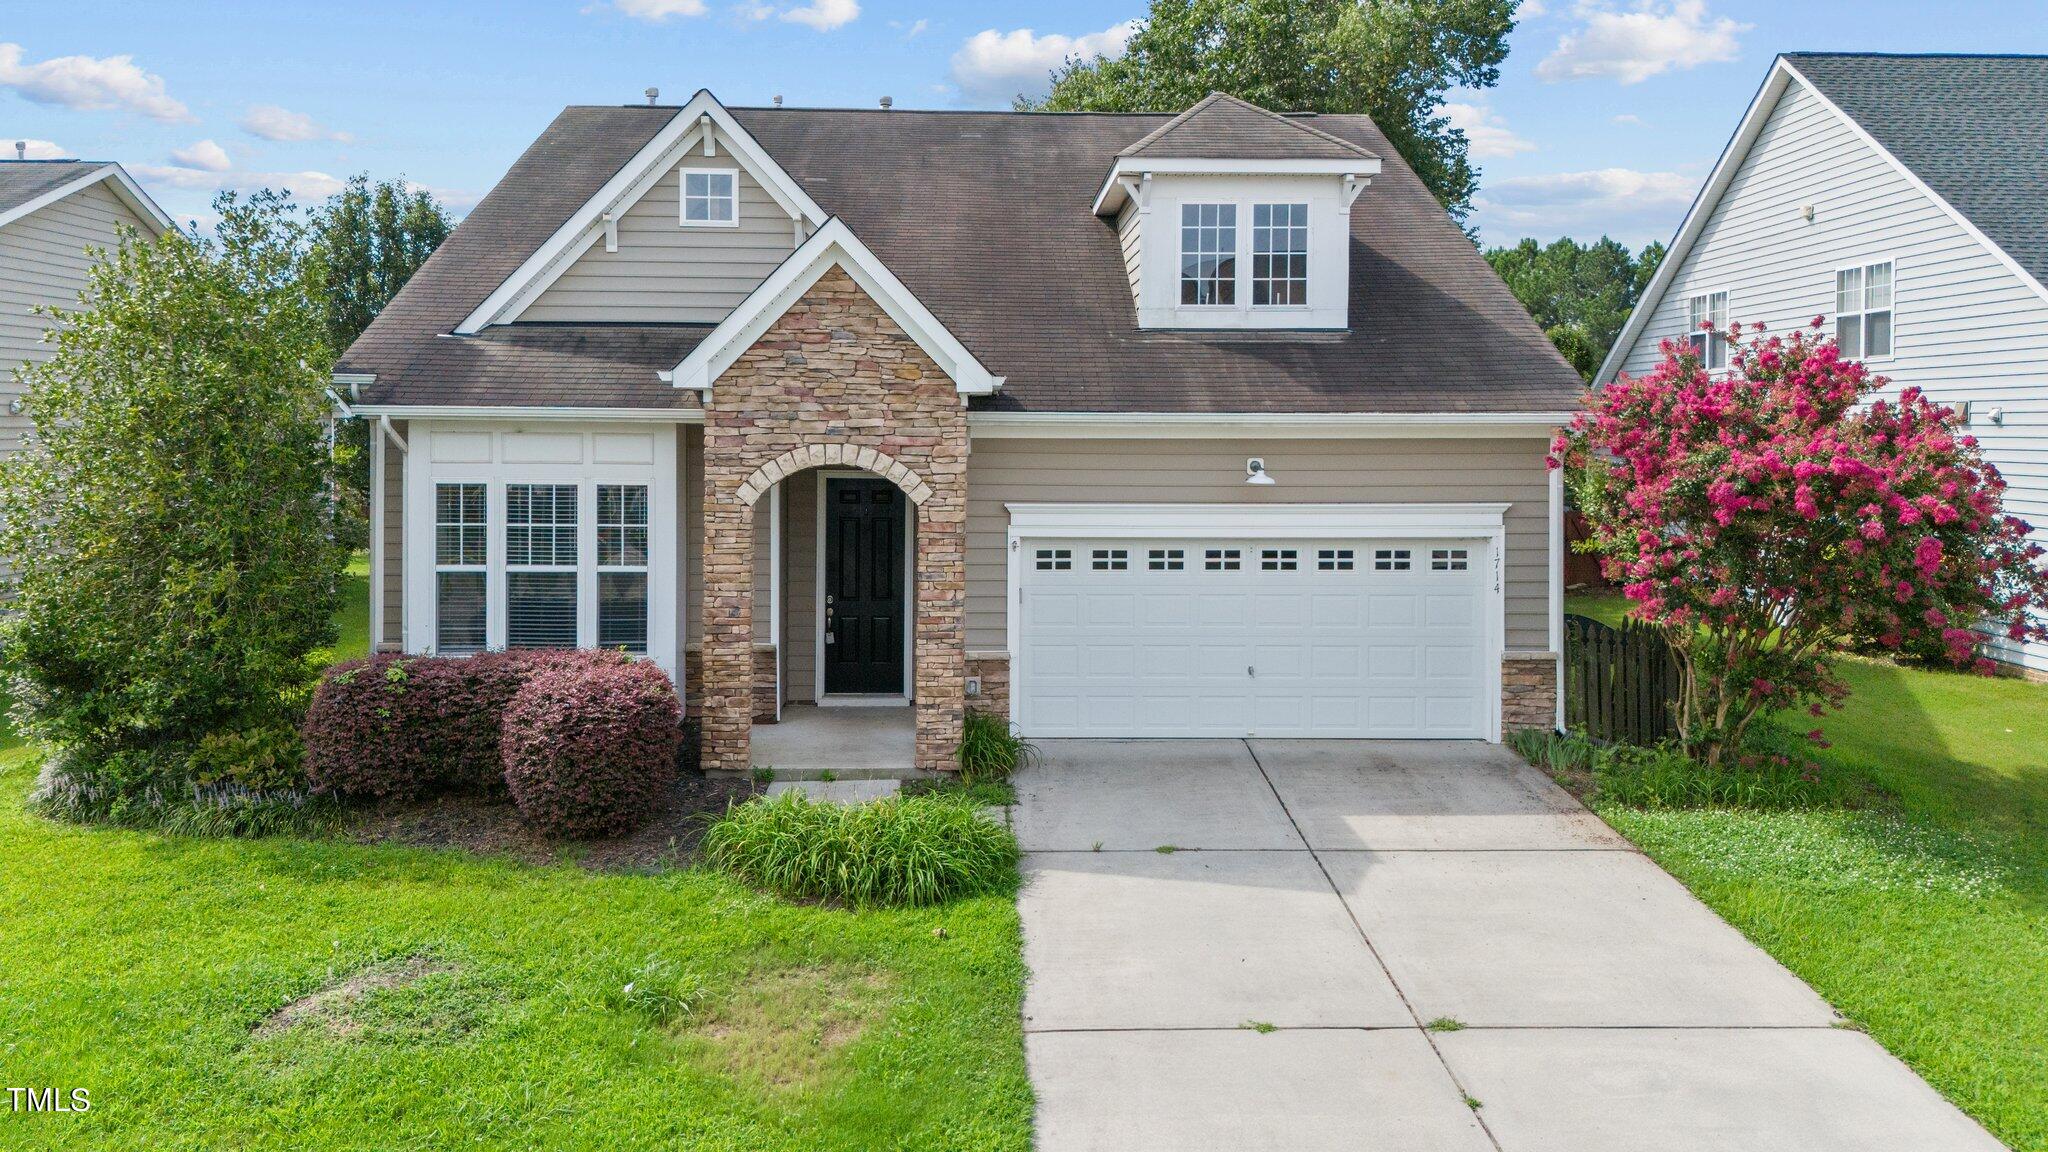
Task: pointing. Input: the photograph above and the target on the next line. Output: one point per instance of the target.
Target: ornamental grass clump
(904, 850)
(990, 749)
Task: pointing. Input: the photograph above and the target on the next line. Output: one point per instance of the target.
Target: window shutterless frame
(1284, 275)
(1711, 346)
(708, 197)
(1238, 289)
(1865, 308)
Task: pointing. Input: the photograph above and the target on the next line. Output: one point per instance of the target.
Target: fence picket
(1621, 684)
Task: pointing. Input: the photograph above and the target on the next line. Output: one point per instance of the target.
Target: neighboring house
(1904, 199)
(1126, 425)
(52, 214)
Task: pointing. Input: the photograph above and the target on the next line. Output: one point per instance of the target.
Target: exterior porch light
(1255, 472)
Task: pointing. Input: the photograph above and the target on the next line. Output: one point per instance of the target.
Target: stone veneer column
(726, 698)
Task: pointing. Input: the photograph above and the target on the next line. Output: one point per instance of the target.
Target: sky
(1608, 116)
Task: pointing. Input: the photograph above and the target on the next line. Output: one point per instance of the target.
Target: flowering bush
(1765, 515)
(406, 726)
(589, 749)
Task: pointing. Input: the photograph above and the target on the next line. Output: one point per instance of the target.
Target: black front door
(864, 526)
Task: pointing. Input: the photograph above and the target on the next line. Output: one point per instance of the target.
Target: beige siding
(1127, 232)
(43, 260)
(1964, 326)
(665, 272)
(392, 628)
(1003, 471)
(799, 587)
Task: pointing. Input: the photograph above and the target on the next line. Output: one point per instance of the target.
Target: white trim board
(125, 189)
(1783, 72)
(1277, 425)
(1113, 194)
(684, 131)
(832, 246)
(1294, 521)
(529, 412)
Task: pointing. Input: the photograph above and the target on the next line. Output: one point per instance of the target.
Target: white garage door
(1315, 638)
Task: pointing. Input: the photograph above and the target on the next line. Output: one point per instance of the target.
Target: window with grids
(1279, 255)
(540, 563)
(1166, 559)
(1277, 560)
(1221, 559)
(1334, 560)
(1208, 254)
(1447, 560)
(1863, 310)
(1706, 326)
(1110, 560)
(460, 553)
(622, 567)
(1054, 559)
(710, 198)
(1390, 560)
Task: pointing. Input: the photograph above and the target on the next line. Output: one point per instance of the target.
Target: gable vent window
(1221, 559)
(540, 553)
(1390, 560)
(1166, 559)
(710, 198)
(1447, 560)
(1708, 345)
(1054, 559)
(1279, 255)
(1863, 310)
(1208, 254)
(460, 553)
(1110, 560)
(1277, 560)
(1334, 560)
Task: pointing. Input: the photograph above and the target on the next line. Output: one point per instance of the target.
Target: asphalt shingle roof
(1221, 126)
(23, 180)
(1973, 128)
(986, 217)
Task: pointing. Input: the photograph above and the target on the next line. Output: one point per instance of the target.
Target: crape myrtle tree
(1766, 515)
(167, 524)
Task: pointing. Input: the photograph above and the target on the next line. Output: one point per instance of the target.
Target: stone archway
(840, 455)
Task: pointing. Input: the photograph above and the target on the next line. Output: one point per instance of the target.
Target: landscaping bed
(1912, 891)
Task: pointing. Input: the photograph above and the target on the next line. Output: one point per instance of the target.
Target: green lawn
(1923, 918)
(143, 968)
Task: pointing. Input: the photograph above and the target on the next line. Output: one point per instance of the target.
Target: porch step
(838, 791)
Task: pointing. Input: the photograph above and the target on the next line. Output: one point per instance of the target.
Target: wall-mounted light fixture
(1255, 472)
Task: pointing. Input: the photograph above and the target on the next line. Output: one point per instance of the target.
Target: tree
(366, 242)
(1766, 515)
(1390, 59)
(1580, 294)
(166, 523)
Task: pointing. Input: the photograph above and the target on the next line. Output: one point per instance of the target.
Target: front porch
(849, 743)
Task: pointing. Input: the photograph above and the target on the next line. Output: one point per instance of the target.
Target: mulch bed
(491, 826)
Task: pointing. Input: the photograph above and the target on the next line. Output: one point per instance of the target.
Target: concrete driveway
(1237, 945)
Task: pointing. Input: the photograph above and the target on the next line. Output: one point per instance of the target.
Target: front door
(864, 617)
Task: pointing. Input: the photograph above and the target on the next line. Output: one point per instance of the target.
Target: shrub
(989, 750)
(590, 746)
(905, 850)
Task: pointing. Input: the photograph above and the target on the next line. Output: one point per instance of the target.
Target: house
(1904, 199)
(1118, 425)
(52, 214)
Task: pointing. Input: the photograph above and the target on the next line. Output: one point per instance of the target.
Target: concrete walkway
(1237, 945)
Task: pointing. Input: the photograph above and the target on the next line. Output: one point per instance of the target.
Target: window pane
(540, 524)
(1877, 334)
(459, 612)
(1280, 260)
(622, 611)
(1877, 286)
(622, 525)
(1208, 240)
(1849, 290)
(459, 524)
(1717, 310)
(540, 609)
(696, 184)
(1849, 335)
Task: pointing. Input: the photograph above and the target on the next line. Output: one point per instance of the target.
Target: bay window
(1863, 310)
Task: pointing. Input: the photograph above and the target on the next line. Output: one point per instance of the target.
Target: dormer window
(711, 198)
(1279, 255)
(1208, 255)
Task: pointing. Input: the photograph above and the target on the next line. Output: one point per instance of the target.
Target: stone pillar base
(1528, 691)
(994, 670)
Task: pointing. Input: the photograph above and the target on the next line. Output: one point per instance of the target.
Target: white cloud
(304, 186)
(1632, 119)
(37, 149)
(93, 84)
(824, 15)
(1489, 136)
(1634, 45)
(1631, 206)
(658, 10)
(1531, 10)
(994, 65)
(206, 156)
(913, 29)
(271, 122)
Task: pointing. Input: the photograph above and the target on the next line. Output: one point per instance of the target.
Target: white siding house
(1809, 214)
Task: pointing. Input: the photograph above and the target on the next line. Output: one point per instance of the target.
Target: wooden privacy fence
(1620, 684)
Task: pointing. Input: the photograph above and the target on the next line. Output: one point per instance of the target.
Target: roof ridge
(1813, 55)
(1138, 146)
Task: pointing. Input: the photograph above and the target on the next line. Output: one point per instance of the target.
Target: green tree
(367, 241)
(1580, 294)
(1390, 59)
(167, 522)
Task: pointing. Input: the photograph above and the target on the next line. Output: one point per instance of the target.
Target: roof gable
(28, 186)
(1223, 127)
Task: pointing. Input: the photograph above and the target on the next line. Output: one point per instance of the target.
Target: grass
(990, 750)
(903, 850)
(313, 993)
(1920, 907)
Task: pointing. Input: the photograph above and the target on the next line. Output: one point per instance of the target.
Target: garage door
(1309, 638)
